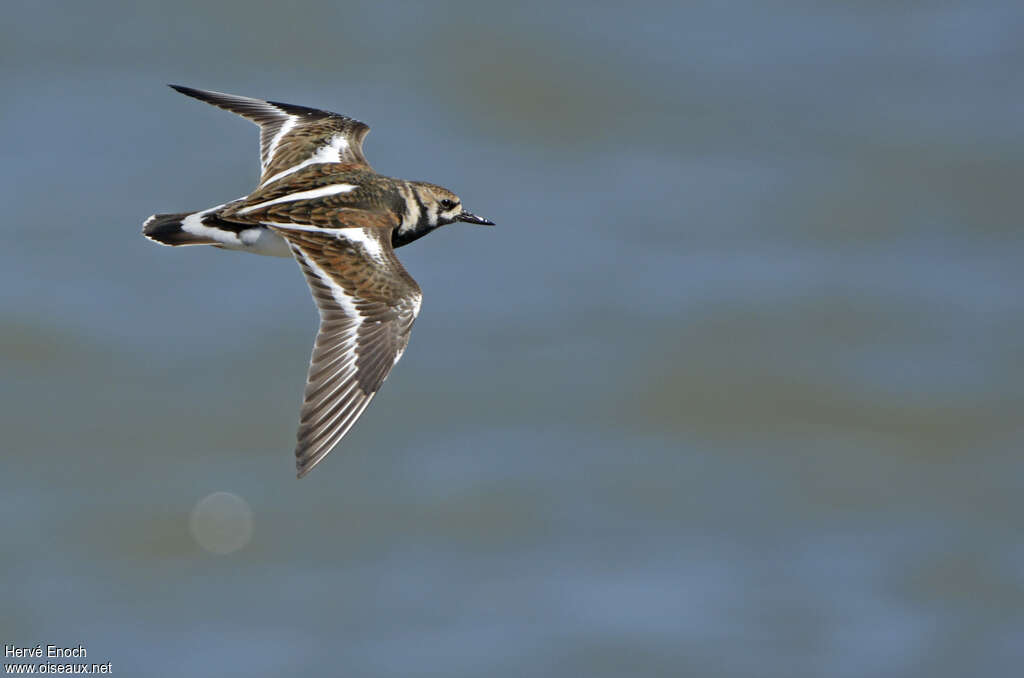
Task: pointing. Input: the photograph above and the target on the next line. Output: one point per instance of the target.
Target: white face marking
(432, 211)
(328, 153)
(333, 189)
(412, 218)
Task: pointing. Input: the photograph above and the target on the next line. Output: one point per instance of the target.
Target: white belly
(257, 240)
(261, 240)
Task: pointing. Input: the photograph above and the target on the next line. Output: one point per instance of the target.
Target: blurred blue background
(735, 388)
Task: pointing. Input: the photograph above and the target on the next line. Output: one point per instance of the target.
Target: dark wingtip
(302, 465)
(187, 91)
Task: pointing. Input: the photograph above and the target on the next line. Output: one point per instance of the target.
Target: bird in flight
(319, 201)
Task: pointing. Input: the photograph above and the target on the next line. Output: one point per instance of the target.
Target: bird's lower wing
(367, 303)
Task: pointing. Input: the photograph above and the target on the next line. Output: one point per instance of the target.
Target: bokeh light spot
(221, 522)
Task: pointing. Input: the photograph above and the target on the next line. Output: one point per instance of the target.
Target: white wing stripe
(354, 234)
(306, 227)
(331, 152)
(321, 192)
(412, 216)
(286, 127)
(368, 241)
(337, 291)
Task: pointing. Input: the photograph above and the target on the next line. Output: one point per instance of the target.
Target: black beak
(471, 218)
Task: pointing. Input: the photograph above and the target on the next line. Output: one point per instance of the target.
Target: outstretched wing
(292, 137)
(367, 304)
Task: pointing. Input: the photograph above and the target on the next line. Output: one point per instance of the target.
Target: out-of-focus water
(735, 388)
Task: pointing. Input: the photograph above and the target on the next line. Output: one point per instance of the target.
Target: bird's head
(429, 206)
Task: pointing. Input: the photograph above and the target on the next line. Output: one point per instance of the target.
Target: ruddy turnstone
(320, 202)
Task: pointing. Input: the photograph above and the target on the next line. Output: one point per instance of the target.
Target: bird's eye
(447, 204)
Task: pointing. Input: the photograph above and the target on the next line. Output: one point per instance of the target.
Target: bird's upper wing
(292, 137)
(367, 304)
